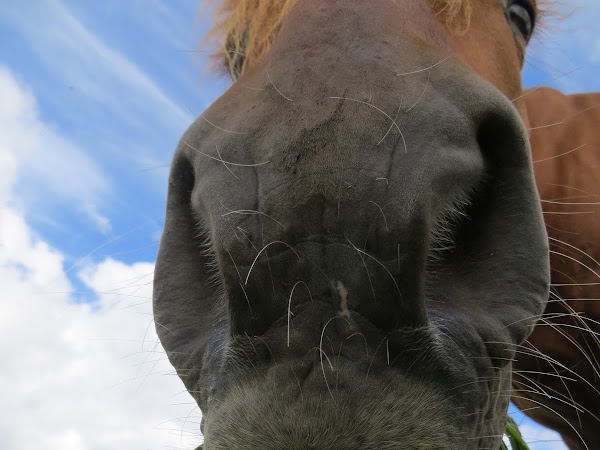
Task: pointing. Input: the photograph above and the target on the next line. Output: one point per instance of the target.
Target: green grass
(514, 436)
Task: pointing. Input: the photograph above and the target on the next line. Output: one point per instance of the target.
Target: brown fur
(566, 151)
(248, 27)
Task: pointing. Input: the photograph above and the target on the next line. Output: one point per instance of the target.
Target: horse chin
(278, 410)
(324, 387)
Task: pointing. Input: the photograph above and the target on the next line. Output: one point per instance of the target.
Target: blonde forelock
(247, 29)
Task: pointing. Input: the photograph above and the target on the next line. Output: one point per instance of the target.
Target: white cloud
(78, 375)
(74, 375)
(48, 168)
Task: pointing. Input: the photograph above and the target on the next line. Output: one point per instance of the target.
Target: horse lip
(302, 380)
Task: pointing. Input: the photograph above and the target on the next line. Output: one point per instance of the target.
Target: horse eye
(520, 14)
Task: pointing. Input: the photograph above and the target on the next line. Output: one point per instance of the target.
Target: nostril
(498, 248)
(181, 181)
(502, 151)
(502, 139)
(459, 223)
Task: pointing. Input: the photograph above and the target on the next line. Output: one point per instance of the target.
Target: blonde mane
(247, 28)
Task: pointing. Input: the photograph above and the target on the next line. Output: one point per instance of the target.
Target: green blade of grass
(514, 436)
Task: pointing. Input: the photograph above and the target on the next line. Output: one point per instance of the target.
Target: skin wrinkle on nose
(344, 311)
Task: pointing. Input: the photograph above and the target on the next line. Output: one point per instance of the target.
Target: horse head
(354, 245)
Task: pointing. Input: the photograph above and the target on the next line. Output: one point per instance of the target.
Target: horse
(354, 250)
(556, 373)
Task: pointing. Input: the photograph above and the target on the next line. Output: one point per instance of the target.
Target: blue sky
(93, 99)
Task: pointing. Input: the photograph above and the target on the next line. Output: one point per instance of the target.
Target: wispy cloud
(39, 166)
(78, 57)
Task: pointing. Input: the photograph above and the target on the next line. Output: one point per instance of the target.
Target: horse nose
(362, 171)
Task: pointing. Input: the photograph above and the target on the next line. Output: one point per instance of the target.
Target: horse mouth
(335, 399)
